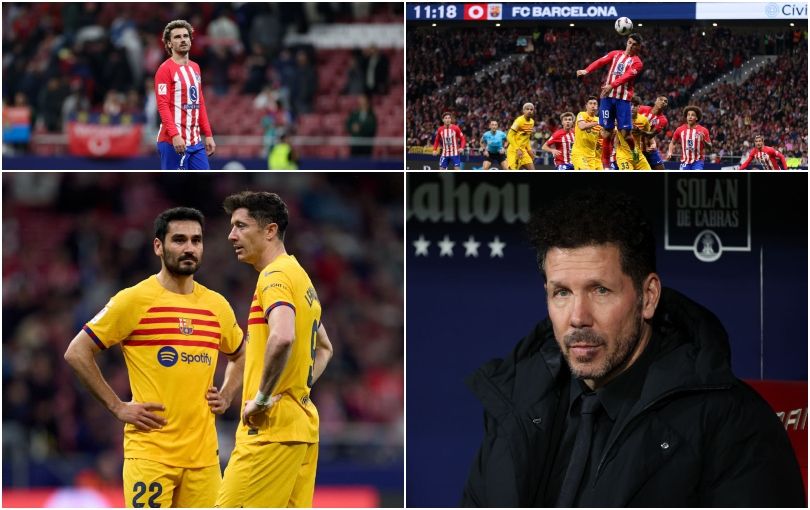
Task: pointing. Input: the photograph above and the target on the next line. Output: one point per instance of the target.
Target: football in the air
(624, 26)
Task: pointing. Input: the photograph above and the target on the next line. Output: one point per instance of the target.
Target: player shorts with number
(194, 158)
(151, 484)
(269, 475)
(624, 161)
(455, 160)
(615, 111)
(512, 161)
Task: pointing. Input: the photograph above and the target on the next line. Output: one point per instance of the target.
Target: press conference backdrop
(734, 242)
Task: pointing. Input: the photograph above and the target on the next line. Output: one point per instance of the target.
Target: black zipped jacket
(696, 437)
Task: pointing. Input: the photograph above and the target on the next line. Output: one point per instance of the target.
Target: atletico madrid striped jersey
(283, 283)
(692, 144)
(170, 343)
(564, 140)
(767, 157)
(180, 102)
(451, 138)
(622, 74)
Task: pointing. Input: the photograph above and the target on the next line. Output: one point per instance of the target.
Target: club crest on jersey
(192, 93)
(162, 89)
(620, 68)
(186, 327)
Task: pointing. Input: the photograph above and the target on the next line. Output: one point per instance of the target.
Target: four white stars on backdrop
(470, 247)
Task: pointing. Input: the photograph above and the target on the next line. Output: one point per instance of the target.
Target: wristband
(261, 399)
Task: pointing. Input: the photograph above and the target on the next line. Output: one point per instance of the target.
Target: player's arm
(80, 355)
(436, 144)
(584, 125)
(276, 354)
(163, 85)
(547, 146)
(596, 64)
(781, 157)
(510, 137)
(461, 136)
(704, 135)
(672, 143)
(220, 401)
(744, 164)
(323, 353)
(205, 126)
(635, 70)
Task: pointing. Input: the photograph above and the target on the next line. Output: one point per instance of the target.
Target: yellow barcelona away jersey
(294, 417)
(640, 122)
(520, 133)
(585, 142)
(170, 343)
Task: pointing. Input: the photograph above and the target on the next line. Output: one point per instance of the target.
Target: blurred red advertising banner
(104, 141)
(72, 497)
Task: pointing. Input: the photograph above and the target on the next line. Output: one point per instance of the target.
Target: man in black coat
(624, 396)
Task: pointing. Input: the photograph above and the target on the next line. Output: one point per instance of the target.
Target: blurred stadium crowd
(264, 77)
(71, 241)
(488, 73)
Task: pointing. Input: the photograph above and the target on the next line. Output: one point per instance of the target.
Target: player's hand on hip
(210, 146)
(252, 410)
(140, 415)
(216, 401)
(179, 144)
(605, 90)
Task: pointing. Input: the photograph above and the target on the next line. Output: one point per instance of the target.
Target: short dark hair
(592, 98)
(591, 217)
(176, 214)
(637, 38)
(695, 109)
(445, 114)
(262, 206)
(636, 100)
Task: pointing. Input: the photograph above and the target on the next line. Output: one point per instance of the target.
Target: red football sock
(607, 148)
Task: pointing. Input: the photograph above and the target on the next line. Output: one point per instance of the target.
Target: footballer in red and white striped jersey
(768, 158)
(616, 93)
(452, 141)
(622, 73)
(563, 140)
(659, 124)
(181, 105)
(694, 139)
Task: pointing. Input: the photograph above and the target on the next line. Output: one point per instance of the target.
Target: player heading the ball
(616, 93)
(180, 102)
